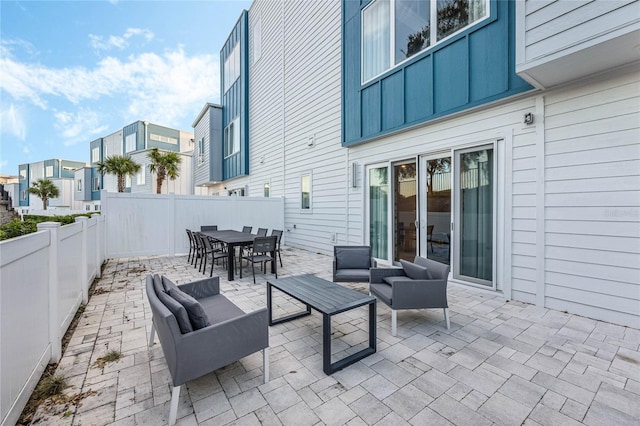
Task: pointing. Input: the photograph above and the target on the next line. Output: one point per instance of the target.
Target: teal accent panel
(489, 52)
(235, 102)
(161, 131)
(371, 110)
(472, 68)
(69, 167)
(351, 69)
(393, 101)
(418, 89)
(451, 76)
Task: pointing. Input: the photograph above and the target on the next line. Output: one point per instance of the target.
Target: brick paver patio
(502, 362)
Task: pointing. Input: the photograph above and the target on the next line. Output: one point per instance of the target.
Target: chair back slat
(247, 229)
(264, 244)
(262, 232)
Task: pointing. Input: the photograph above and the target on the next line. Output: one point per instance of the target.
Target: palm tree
(166, 164)
(120, 166)
(44, 189)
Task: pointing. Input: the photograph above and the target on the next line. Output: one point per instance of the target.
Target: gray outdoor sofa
(418, 285)
(210, 334)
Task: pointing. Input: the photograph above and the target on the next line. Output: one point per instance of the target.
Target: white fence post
(99, 240)
(54, 329)
(84, 265)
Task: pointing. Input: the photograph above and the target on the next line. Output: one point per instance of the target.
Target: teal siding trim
(419, 90)
(472, 68)
(161, 131)
(235, 102)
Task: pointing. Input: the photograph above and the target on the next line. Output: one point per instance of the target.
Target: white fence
(153, 224)
(44, 277)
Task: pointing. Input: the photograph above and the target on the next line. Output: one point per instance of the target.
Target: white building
(504, 140)
(60, 172)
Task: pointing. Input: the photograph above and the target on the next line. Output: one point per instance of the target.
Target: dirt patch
(26, 417)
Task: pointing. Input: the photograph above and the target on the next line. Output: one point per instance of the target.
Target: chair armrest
(202, 288)
(377, 275)
(335, 268)
(220, 344)
(418, 294)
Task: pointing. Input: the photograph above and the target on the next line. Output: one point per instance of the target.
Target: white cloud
(77, 126)
(119, 42)
(12, 122)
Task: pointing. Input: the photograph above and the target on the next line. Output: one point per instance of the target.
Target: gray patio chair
(352, 263)
(192, 247)
(278, 233)
(223, 332)
(247, 229)
(261, 253)
(418, 285)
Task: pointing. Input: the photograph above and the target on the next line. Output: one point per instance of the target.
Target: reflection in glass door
(404, 211)
(435, 226)
(379, 211)
(475, 184)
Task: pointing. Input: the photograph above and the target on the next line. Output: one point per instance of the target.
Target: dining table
(233, 239)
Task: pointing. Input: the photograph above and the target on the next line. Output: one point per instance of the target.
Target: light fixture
(528, 118)
(354, 175)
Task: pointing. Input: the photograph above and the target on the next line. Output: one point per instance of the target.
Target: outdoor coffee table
(329, 299)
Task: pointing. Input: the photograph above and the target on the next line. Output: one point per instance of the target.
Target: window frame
(201, 151)
(79, 185)
(95, 154)
(232, 62)
(309, 207)
(141, 176)
(234, 125)
(95, 184)
(48, 171)
(257, 40)
(433, 20)
(127, 140)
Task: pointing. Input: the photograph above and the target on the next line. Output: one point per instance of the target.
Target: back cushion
(197, 316)
(174, 307)
(415, 272)
(353, 258)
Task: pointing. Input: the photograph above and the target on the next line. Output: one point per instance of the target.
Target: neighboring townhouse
(135, 140)
(499, 137)
(207, 159)
(60, 172)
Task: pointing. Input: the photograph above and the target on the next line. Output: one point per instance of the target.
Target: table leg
(231, 248)
(326, 345)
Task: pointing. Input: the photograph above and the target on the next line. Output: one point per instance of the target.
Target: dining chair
(261, 253)
(192, 246)
(205, 228)
(262, 232)
(278, 233)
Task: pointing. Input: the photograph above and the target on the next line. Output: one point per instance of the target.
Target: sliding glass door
(378, 203)
(435, 207)
(475, 215)
(404, 211)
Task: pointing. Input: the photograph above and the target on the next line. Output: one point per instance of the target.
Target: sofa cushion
(382, 291)
(354, 275)
(415, 272)
(353, 258)
(168, 284)
(391, 280)
(178, 311)
(196, 314)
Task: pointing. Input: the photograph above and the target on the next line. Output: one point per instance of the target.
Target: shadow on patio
(501, 362)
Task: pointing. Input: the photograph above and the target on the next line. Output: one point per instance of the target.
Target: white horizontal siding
(592, 200)
(554, 26)
(202, 130)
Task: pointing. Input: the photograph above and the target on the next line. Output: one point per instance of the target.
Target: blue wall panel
(418, 89)
(473, 67)
(451, 76)
(371, 110)
(393, 101)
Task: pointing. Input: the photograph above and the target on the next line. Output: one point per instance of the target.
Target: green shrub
(16, 227)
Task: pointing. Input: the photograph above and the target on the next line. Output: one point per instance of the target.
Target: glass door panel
(475, 184)
(435, 225)
(404, 211)
(379, 211)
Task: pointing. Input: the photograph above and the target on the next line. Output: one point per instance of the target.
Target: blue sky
(71, 72)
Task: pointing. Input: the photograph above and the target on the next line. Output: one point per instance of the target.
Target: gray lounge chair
(231, 334)
(418, 285)
(352, 263)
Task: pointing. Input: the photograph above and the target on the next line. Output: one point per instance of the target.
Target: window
(257, 40)
(127, 181)
(141, 176)
(79, 188)
(23, 195)
(232, 138)
(395, 30)
(95, 154)
(267, 188)
(87, 207)
(232, 67)
(23, 174)
(95, 184)
(48, 171)
(161, 138)
(305, 192)
(201, 151)
(130, 142)
(96, 207)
